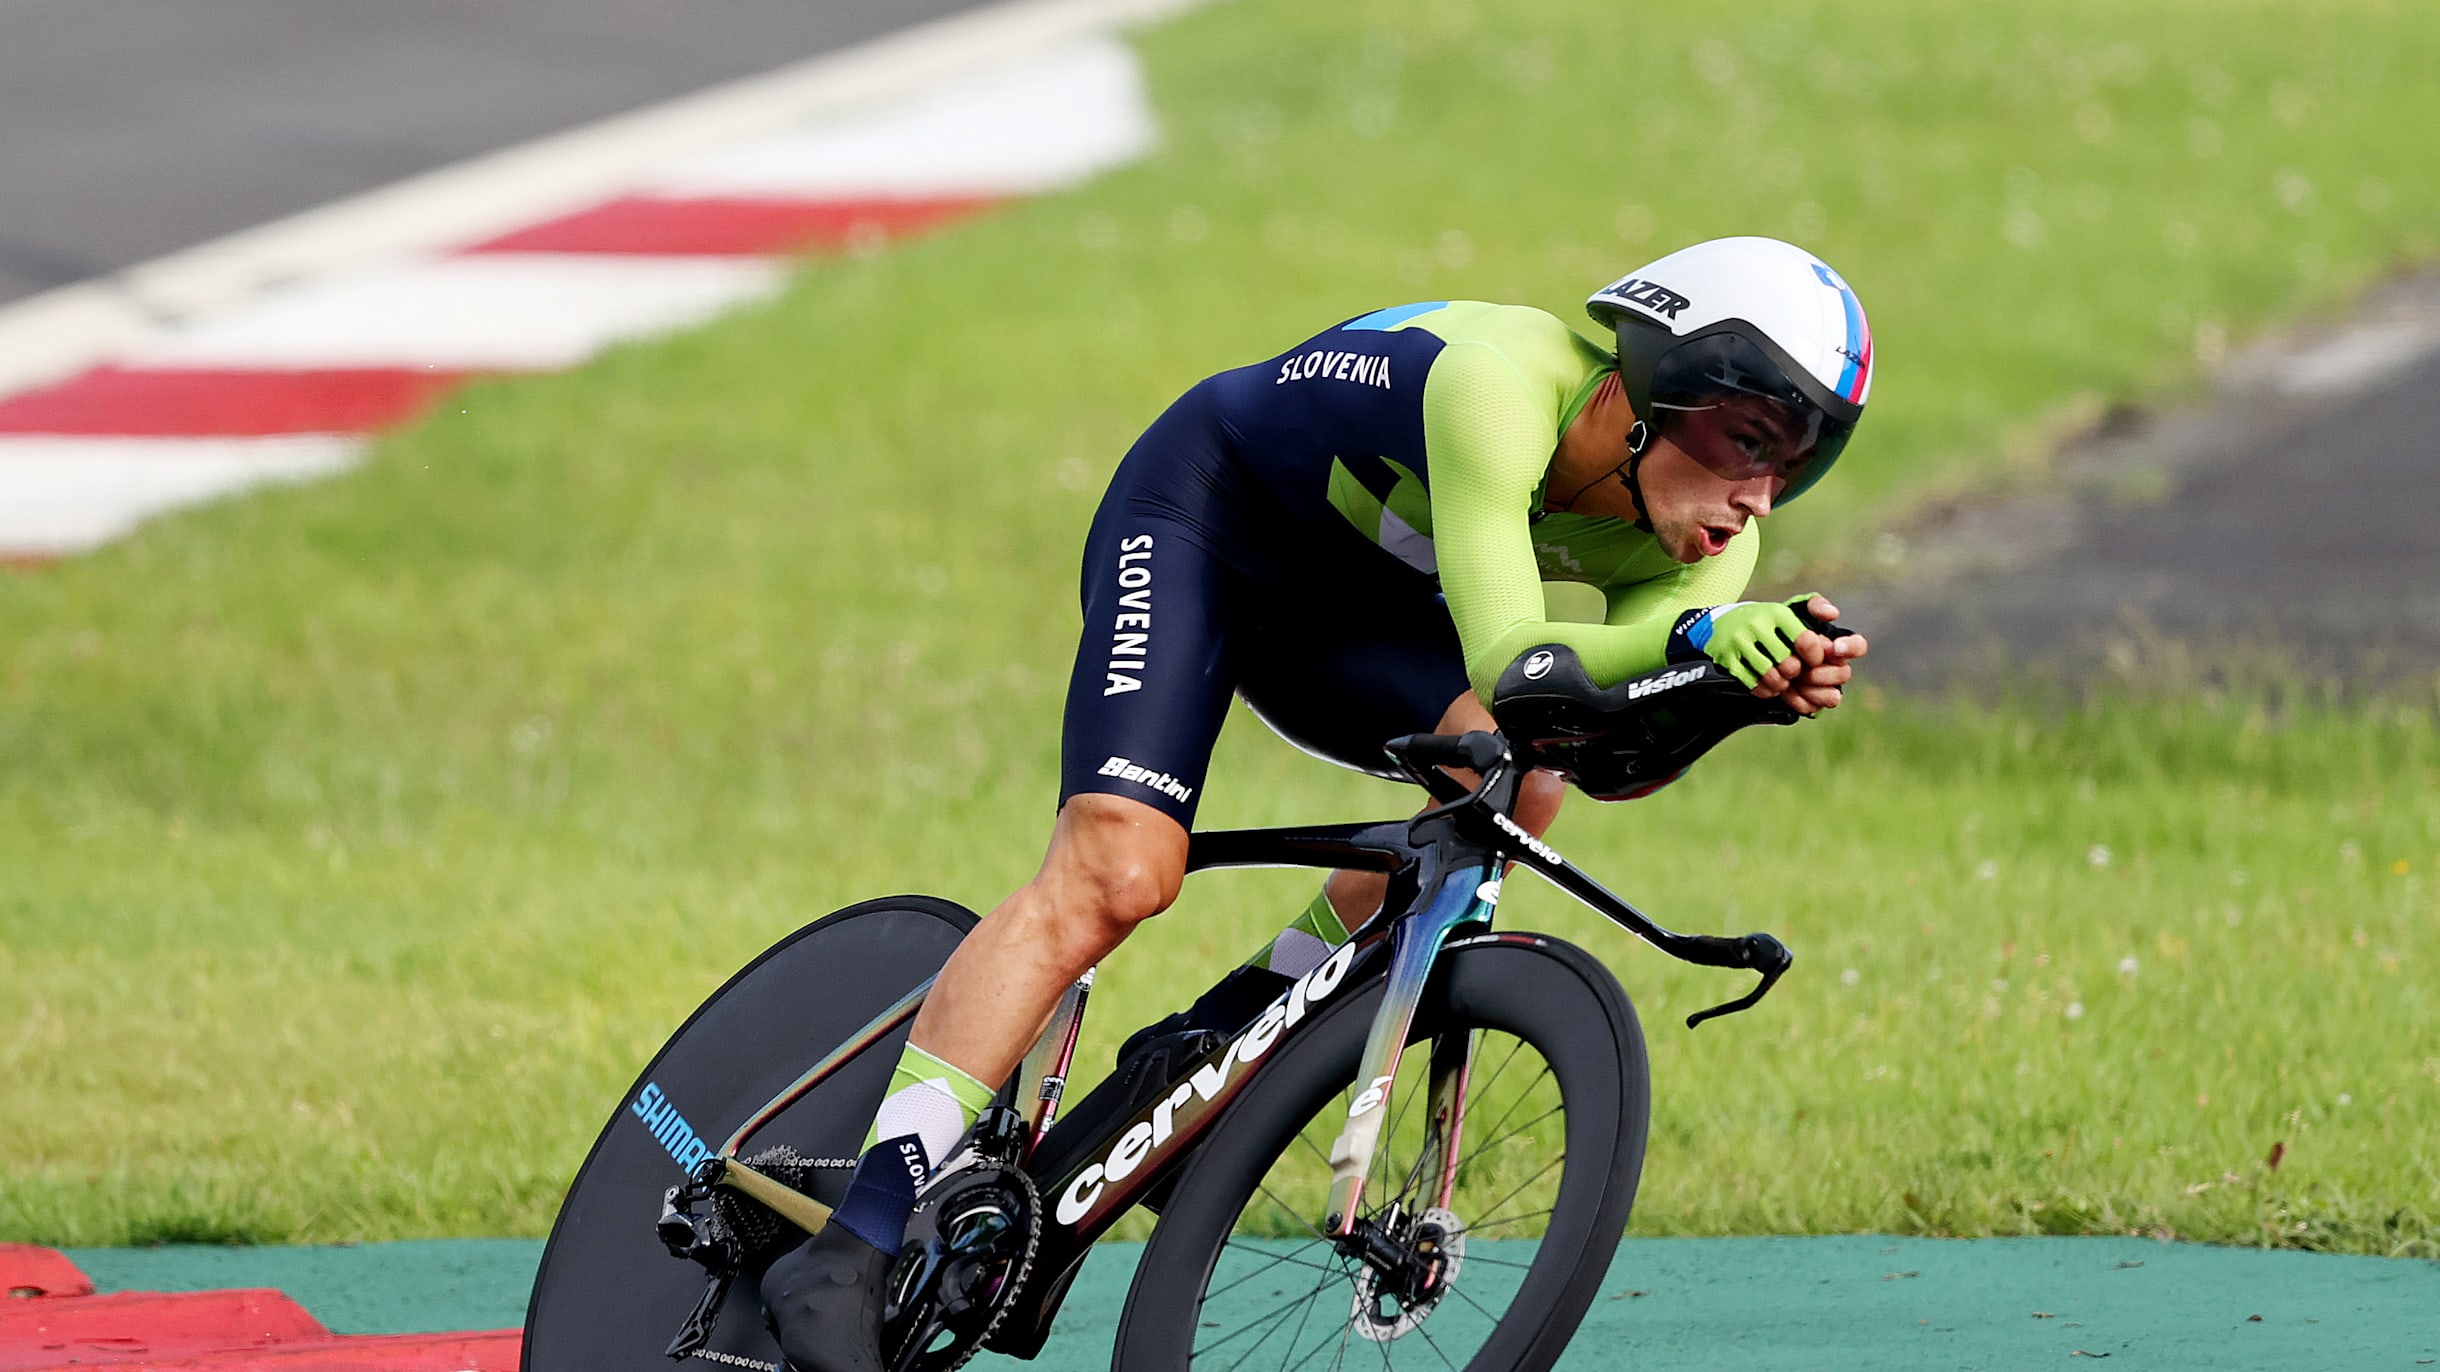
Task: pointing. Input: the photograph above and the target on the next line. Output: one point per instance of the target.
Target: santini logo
(669, 1128)
(1209, 1082)
(1665, 681)
(1162, 782)
(1538, 666)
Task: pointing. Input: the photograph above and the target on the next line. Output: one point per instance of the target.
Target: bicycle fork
(1468, 895)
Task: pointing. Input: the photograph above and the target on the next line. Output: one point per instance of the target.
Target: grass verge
(360, 840)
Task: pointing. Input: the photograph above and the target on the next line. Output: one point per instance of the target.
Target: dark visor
(1733, 409)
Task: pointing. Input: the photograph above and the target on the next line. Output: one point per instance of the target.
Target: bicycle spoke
(1268, 1322)
(1520, 1187)
(1434, 1344)
(1288, 1257)
(1298, 1332)
(1484, 1089)
(1282, 1322)
(1509, 1219)
(1460, 1293)
(1309, 1226)
(1473, 1258)
(1324, 1344)
(1497, 1138)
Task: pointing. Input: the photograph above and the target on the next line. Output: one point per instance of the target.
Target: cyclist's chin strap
(1630, 472)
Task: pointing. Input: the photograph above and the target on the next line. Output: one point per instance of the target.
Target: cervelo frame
(1445, 868)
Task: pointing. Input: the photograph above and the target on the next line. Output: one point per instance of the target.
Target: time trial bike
(1337, 1164)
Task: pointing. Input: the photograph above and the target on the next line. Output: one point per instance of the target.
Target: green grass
(358, 842)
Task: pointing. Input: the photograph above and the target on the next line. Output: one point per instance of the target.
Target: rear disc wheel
(608, 1296)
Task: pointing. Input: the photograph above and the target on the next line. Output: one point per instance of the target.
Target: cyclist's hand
(1749, 639)
(1811, 677)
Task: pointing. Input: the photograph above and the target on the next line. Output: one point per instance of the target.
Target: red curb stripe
(735, 227)
(147, 1325)
(494, 1351)
(177, 402)
(27, 1270)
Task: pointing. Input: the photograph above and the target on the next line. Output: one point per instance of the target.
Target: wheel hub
(1410, 1263)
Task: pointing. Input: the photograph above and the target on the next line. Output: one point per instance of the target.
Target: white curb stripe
(1040, 125)
(498, 312)
(57, 333)
(68, 495)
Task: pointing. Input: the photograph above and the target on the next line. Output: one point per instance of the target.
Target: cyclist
(1353, 536)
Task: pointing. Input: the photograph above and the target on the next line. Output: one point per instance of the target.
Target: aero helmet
(1749, 353)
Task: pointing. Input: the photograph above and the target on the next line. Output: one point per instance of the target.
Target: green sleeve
(1489, 443)
(1713, 581)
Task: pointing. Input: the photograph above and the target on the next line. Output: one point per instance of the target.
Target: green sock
(932, 1099)
(1306, 943)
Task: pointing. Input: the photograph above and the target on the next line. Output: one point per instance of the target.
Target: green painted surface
(424, 1285)
(1753, 1303)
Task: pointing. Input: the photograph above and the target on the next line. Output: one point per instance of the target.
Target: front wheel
(1486, 1264)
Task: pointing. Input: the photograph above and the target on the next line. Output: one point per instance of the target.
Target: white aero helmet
(1749, 353)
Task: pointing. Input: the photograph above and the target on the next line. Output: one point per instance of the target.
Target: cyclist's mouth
(1713, 539)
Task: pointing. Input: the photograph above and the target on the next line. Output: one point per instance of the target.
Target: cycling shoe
(1234, 1003)
(823, 1301)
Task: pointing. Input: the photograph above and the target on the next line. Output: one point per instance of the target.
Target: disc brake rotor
(1382, 1312)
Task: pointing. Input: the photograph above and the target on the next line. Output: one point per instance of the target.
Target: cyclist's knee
(1538, 798)
(1114, 863)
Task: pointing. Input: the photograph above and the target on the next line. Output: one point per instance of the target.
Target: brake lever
(1763, 954)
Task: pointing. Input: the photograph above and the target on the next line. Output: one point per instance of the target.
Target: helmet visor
(1731, 408)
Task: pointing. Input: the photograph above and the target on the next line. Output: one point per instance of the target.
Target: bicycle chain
(735, 1360)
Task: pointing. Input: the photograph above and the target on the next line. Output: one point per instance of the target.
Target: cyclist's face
(1694, 510)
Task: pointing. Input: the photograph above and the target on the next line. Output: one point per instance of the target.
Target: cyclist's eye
(1754, 449)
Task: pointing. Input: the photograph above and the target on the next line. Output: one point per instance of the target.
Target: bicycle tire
(607, 1296)
(1538, 990)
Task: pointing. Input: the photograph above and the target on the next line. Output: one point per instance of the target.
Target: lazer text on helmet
(1651, 295)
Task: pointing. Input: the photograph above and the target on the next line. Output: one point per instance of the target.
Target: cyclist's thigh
(1353, 672)
(1152, 678)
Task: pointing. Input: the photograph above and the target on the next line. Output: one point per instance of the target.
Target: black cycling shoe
(823, 1302)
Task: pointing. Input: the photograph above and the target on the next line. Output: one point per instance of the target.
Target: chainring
(969, 1250)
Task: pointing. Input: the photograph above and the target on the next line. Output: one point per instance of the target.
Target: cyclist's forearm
(1610, 652)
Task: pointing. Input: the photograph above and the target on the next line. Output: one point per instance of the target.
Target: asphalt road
(134, 128)
(2282, 530)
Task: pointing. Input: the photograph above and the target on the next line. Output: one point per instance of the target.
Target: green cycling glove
(1747, 638)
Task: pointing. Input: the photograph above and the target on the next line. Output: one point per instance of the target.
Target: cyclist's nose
(1754, 496)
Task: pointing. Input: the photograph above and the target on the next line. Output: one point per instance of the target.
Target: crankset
(969, 1249)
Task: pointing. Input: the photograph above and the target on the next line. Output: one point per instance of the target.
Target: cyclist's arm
(1713, 581)
(1489, 444)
